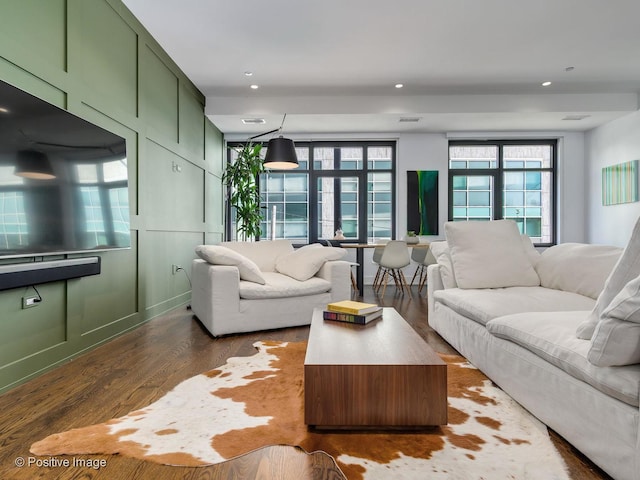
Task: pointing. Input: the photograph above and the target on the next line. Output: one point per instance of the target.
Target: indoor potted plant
(241, 177)
(411, 237)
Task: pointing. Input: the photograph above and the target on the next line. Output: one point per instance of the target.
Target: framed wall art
(422, 202)
(620, 183)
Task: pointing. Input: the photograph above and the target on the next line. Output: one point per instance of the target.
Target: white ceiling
(466, 65)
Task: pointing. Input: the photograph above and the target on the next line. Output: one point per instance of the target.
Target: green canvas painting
(620, 183)
(422, 202)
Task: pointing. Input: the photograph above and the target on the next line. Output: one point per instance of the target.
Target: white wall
(421, 151)
(571, 189)
(616, 142)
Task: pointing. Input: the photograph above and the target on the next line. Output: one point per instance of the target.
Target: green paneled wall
(96, 60)
(33, 331)
(159, 99)
(191, 129)
(37, 27)
(161, 284)
(174, 190)
(103, 51)
(110, 295)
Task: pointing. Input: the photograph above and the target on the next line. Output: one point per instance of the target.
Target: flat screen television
(63, 181)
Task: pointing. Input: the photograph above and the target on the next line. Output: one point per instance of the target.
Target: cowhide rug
(256, 401)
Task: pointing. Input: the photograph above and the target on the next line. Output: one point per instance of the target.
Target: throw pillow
(218, 255)
(616, 340)
(440, 251)
(489, 255)
(577, 267)
(263, 253)
(304, 263)
(627, 268)
(310, 246)
(532, 253)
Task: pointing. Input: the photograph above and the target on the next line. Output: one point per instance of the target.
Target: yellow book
(354, 308)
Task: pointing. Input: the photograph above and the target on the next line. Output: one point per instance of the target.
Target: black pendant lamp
(281, 152)
(33, 164)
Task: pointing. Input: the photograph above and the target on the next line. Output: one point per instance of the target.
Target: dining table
(361, 247)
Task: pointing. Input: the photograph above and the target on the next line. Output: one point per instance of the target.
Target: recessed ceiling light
(399, 85)
(248, 73)
(546, 84)
(253, 121)
(4, 110)
(255, 87)
(576, 117)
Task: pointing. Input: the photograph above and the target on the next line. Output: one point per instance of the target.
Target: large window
(505, 179)
(344, 186)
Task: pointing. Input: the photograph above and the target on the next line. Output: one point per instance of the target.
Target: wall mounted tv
(63, 181)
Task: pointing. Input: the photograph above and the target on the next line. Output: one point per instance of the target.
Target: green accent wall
(96, 60)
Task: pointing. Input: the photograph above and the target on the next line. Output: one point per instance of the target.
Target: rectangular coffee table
(382, 374)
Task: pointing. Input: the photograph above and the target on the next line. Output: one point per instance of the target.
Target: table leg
(360, 272)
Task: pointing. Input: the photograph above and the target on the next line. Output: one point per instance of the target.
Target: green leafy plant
(411, 233)
(240, 177)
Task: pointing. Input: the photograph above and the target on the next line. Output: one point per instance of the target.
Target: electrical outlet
(28, 302)
(175, 269)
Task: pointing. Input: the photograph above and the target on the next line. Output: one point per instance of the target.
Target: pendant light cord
(282, 124)
(277, 130)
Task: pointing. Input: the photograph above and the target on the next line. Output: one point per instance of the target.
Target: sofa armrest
(338, 273)
(214, 287)
(434, 283)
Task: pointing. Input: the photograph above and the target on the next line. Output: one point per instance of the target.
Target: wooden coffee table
(382, 374)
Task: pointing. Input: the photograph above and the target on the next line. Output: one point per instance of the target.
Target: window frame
(497, 173)
(314, 175)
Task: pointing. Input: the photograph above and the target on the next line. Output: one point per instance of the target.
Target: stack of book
(352, 312)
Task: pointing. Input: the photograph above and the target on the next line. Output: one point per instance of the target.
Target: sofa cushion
(278, 285)
(626, 269)
(264, 253)
(218, 255)
(616, 340)
(489, 255)
(551, 336)
(577, 267)
(440, 251)
(482, 305)
(304, 263)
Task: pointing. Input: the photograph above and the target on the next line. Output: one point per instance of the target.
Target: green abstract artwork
(422, 202)
(620, 183)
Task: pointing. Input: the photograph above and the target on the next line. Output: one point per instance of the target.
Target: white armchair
(295, 282)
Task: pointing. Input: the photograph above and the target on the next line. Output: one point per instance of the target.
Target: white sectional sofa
(249, 286)
(519, 325)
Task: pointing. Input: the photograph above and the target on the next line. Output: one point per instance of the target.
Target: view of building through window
(338, 186)
(348, 187)
(511, 180)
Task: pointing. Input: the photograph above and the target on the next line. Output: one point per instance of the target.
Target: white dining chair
(377, 255)
(428, 259)
(418, 255)
(395, 257)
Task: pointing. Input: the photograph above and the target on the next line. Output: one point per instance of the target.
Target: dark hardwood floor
(137, 368)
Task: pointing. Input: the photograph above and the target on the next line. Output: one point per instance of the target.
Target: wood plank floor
(141, 366)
